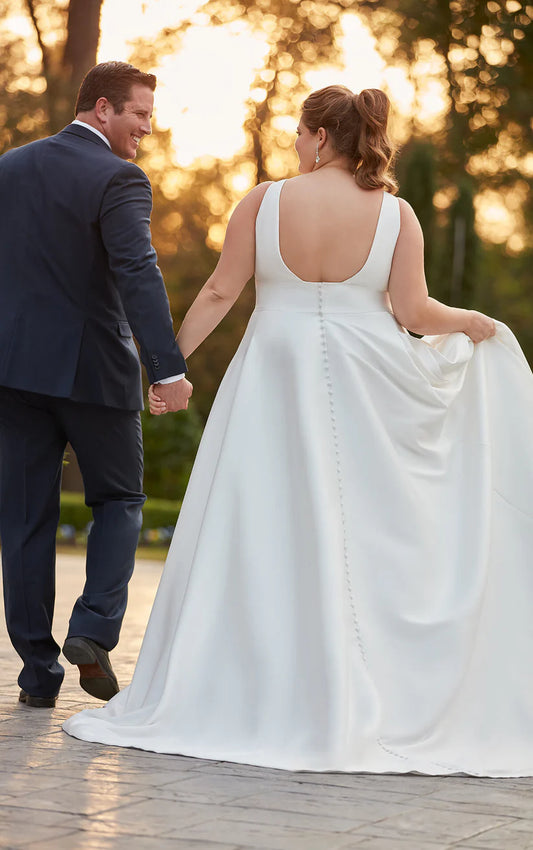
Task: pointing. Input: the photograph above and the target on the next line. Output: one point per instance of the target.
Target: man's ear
(102, 108)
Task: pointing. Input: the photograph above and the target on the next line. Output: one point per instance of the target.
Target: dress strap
(379, 260)
(267, 258)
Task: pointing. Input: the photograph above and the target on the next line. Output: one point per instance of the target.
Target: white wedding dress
(350, 583)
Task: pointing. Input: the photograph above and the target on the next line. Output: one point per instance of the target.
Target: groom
(78, 278)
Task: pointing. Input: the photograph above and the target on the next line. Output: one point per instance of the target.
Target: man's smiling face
(125, 129)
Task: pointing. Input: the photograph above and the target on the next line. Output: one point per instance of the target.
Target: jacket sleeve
(125, 227)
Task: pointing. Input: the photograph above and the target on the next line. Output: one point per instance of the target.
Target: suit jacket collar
(84, 133)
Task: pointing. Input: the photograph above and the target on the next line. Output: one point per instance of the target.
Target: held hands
(168, 398)
(479, 326)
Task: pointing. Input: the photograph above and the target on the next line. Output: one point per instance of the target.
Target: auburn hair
(112, 80)
(357, 127)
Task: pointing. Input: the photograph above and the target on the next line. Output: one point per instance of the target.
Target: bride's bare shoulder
(248, 207)
(258, 192)
(408, 220)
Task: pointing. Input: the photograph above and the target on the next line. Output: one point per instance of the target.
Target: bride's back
(327, 225)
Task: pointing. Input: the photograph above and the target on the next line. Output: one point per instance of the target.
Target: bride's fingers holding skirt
(480, 327)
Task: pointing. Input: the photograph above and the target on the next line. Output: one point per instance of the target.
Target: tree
(191, 207)
(487, 53)
(299, 36)
(170, 445)
(65, 64)
(463, 244)
(22, 111)
(39, 96)
(417, 178)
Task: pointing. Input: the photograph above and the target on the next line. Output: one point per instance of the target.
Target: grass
(144, 553)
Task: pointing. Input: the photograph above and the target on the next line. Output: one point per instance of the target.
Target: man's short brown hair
(112, 80)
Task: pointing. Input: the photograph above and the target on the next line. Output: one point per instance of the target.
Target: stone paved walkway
(57, 793)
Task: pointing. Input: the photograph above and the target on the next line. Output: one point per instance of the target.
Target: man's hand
(168, 398)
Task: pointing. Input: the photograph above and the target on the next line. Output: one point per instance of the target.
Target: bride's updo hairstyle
(357, 127)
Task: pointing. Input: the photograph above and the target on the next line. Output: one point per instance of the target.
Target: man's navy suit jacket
(78, 274)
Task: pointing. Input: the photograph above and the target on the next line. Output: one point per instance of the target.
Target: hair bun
(373, 106)
(357, 126)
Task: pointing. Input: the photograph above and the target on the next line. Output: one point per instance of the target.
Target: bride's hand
(479, 326)
(157, 406)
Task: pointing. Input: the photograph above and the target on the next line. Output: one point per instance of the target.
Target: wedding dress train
(350, 583)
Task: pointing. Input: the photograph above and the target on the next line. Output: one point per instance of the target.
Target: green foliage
(299, 36)
(487, 50)
(487, 54)
(417, 177)
(170, 444)
(157, 513)
(160, 513)
(74, 511)
(187, 203)
(38, 97)
(505, 290)
(22, 114)
(463, 248)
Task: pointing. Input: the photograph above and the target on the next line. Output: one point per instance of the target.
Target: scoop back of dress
(349, 586)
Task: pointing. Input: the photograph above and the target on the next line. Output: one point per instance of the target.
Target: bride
(349, 587)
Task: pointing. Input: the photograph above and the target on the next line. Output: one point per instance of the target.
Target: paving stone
(399, 844)
(58, 793)
(327, 806)
(15, 835)
(391, 783)
(313, 823)
(515, 802)
(152, 817)
(218, 789)
(82, 800)
(259, 836)
(514, 836)
(20, 783)
(17, 821)
(435, 824)
(111, 773)
(92, 841)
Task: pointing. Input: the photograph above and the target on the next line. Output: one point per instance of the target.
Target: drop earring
(317, 157)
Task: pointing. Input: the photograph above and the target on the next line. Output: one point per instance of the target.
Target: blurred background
(232, 76)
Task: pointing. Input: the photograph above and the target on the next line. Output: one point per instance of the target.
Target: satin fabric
(350, 583)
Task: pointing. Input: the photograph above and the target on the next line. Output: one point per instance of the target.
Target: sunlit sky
(203, 87)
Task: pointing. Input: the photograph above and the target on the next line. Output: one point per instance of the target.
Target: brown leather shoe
(37, 702)
(96, 674)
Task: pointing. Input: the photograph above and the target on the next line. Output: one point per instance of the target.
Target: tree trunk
(64, 70)
(83, 35)
(464, 248)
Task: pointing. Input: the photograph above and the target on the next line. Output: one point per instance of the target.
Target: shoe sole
(38, 702)
(102, 686)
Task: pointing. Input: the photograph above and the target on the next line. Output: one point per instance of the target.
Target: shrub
(159, 518)
(170, 444)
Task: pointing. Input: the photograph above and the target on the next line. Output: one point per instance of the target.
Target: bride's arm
(408, 292)
(234, 269)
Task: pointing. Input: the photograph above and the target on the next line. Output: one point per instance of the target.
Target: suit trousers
(34, 431)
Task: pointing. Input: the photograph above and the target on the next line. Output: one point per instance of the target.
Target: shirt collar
(90, 127)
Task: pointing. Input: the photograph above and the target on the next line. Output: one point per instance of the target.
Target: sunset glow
(203, 86)
(205, 82)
